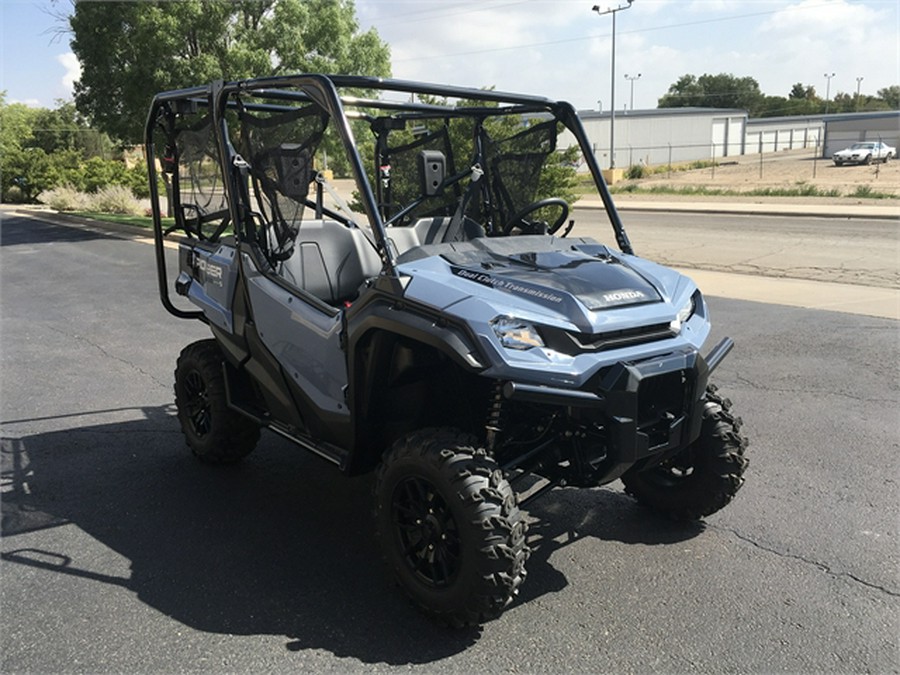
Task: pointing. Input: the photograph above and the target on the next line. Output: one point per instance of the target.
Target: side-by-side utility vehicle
(439, 319)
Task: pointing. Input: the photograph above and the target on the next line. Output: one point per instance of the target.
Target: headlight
(684, 314)
(516, 334)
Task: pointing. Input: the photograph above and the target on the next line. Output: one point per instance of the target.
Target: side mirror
(432, 170)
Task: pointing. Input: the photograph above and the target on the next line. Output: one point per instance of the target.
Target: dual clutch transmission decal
(509, 285)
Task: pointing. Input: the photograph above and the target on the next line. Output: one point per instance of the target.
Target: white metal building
(772, 134)
(665, 135)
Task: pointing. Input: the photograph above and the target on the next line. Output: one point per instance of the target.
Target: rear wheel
(449, 527)
(702, 478)
(213, 431)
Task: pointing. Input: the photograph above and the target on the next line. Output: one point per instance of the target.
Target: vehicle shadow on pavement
(566, 516)
(280, 544)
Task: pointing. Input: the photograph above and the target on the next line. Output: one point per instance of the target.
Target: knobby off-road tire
(702, 478)
(214, 433)
(449, 527)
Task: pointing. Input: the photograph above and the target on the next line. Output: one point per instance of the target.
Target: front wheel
(214, 433)
(702, 478)
(449, 526)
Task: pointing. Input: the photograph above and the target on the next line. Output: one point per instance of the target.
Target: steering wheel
(518, 220)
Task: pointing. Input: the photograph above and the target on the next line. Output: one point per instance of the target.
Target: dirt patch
(796, 169)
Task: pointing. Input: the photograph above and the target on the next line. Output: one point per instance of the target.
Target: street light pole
(827, 90)
(632, 78)
(612, 79)
(858, 81)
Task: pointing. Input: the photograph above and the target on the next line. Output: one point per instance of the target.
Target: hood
(552, 272)
(853, 151)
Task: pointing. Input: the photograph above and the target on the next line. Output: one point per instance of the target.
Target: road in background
(120, 553)
(778, 259)
(858, 251)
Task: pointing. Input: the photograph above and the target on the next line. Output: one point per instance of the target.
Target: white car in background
(864, 153)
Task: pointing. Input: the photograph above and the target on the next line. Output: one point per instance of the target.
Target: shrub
(635, 172)
(866, 192)
(64, 198)
(136, 179)
(97, 173)
(115, 199)
(14, 195)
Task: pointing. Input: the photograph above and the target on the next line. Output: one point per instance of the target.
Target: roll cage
(240, 158)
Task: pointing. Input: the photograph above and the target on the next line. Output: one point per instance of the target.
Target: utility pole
(858, 81)
(827, 90)
(612, 79)
(632, 78)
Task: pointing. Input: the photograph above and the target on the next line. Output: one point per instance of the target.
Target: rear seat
(330, 260)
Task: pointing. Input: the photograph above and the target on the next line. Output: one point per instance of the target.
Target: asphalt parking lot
(120, 553)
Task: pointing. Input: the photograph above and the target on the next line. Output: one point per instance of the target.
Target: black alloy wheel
(427, 532)
(214, 432)
(449, 526)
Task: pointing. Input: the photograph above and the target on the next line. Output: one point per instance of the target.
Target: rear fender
(207, 277)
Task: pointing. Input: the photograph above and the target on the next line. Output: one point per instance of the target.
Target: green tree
(16, 125)
(713, 91)
(41, 149)
(802, 92)
(728, 91)
(63, 128)
(131, 50)
(890, 96)
(26, 170)
(16, 130)
(684, 93)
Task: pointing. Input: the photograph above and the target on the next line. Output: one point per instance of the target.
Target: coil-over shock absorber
(495, 413)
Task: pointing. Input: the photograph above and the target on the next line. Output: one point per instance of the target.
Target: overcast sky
(560, 48)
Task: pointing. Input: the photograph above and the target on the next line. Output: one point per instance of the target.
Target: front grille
(579, 343)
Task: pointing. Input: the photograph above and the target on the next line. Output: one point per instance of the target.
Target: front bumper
(647, 408)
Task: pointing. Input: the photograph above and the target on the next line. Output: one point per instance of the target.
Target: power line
(441, 12)
(583, 38)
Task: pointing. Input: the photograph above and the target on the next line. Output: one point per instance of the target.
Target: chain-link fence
(679, 154)
(641, 161)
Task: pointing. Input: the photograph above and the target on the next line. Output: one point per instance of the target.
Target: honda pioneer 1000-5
(443, 323)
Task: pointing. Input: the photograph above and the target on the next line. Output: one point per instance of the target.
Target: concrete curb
(845, 211)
